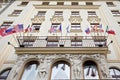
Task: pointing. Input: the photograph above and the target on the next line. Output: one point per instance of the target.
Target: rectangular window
(89, 3)
(115, 12)
(55, 25)
(110, 3)
(119, 23)
(45, 3)
(36, 26)
(52, 44)
(24, 3)
(58, 13)
(16, 12)
(92, 13)
(75, 25)
(74, 3)
(41, 13)
(60, 3)
(75, 13)
(7, 24)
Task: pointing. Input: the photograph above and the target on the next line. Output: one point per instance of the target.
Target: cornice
(69, 0)
(62, 50)
(66, 7)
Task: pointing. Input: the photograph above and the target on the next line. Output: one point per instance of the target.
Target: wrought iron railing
(62, 41)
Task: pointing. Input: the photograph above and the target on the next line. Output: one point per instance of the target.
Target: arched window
(4, 74)
(90, 70)
(60, 70)
(30, 71)
(115, 73)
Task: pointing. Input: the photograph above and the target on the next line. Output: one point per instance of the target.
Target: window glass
(60, 71)
(30, 72)
(90, 70)
(4, 74)
(115, 73)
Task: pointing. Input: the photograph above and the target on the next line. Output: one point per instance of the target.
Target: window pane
(4, 74)
(115, 73)
(30, 72)
(90, 70)
(60, 70)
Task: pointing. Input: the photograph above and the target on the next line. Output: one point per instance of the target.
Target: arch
(30, 70)
(60, 69)
(114, 72)
(90, 70)
(4, 74)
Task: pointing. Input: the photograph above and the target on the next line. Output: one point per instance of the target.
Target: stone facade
(46, 60)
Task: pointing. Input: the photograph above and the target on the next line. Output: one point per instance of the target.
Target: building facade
(61, 39)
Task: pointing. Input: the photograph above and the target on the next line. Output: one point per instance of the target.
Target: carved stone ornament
(46, 61)
(38, 19)
(93, 19)
(75, 19)
(56, 19)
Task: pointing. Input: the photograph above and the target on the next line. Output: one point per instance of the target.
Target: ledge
(49, 50)
(66, 6)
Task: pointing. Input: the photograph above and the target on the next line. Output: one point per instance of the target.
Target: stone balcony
(61, 44)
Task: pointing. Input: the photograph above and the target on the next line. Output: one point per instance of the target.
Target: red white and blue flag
(87, 31)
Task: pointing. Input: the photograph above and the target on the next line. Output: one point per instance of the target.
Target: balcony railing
(62, 41)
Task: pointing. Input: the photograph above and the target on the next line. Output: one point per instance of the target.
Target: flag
(9, 30)
(60, 28)
(52, 29)
(2, 31)
(27, 29)
(18, 28)
(67, 29)
(100, 26)
(87, 31)
(111, 32)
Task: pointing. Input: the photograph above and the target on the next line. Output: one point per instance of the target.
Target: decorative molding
(66, 7)
(61, 50)
(93, 19)
(38, 19)
(56, 19)
(76, 30)
(75, 19)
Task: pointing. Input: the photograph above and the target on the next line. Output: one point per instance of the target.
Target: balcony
(61, 44)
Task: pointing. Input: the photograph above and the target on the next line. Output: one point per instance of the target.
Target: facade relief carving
(93, 19)
(75, 19)
(56, 19)
(46, 60)
(38, 19)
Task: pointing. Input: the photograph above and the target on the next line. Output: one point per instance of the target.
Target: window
(60, 3)
(24, 3)
(16, 12)
(74, 3)
(90, 70)
(115, 73)
(52, 41)
(7, 23)
(30, 71)
(45, 3)
(4, 74)
(110, 3)
(60, 71)
(36, 26)
(119, 23)
(94, 27)
(41, 13)
(115, 12)
(75, 13)
(75, 26)
(89, 3)
(58, 13)
(92, 13)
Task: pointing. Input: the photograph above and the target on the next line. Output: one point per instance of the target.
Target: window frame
(92, 13)
(5, 70)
